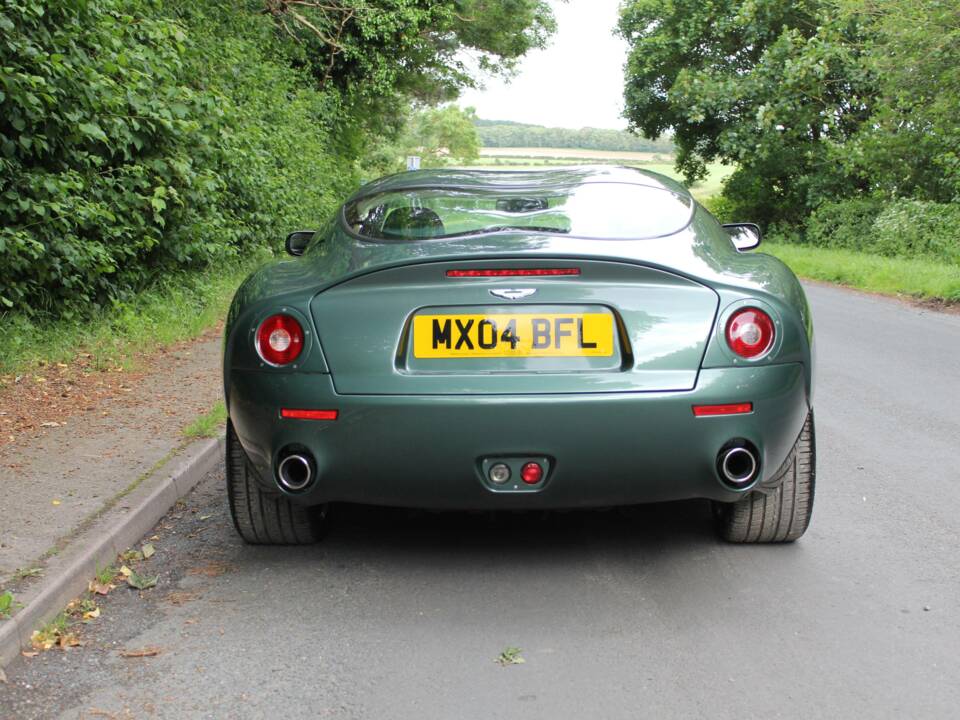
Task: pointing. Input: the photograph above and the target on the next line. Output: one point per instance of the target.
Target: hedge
(893, 228)
(138, 139)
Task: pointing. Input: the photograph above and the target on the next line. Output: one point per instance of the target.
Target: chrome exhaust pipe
(738, 466)
(295, 472)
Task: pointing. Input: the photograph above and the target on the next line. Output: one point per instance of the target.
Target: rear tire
(262, 517)
(783, 513)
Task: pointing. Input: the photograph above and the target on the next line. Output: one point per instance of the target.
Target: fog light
(499, 473)
(531, 473)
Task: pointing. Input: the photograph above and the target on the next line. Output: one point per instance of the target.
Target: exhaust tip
(295, 472)
(738, 466)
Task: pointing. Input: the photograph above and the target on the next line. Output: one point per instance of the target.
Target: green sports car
(577, 337)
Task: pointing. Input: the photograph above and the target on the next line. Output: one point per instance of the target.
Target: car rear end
(514, 370)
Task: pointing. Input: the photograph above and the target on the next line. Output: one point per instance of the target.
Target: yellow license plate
(507, 335)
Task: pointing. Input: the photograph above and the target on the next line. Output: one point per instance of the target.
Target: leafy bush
(845, 224)
(133, 143)
(105, 153)
(895, 228)
(917, 228)
(721, 208)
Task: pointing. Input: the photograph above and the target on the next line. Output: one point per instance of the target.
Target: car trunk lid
(504, 326)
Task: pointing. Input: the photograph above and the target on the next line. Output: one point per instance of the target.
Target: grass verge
(178, 308)
(209, 424)
(917, 277)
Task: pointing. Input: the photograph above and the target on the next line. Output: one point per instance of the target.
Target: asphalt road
(621, 614)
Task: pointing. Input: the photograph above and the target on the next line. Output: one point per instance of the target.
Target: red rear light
(531, 473)
(750, 332)
(516, 272)
(297, 414)
(728, 409)
(279, 339)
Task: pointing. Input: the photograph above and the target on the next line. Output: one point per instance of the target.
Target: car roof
(554, 178)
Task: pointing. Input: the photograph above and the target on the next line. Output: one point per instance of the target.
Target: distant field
(537, 158)
(573, 153)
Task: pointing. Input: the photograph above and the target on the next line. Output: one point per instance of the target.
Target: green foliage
(770, 86)
(917, 228)
(905, 228)
(177, 307)
(496, 133)
(140, 138)
(7, 604)
(845, 224)
(133, 143)
(377, 53)
(442, 133)
(829, 107)
(721, 208)
(910, 147)
(103, 153)
(438, 136)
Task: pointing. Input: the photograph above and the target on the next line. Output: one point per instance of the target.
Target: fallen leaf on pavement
(54, 502)
(510, 656)
(42, 641)
(68, 640)
(125, 571)
(206, 517)
(3, 676)
(141, 582)
(149, 651)
(50, 424)
(29, 653)
(92, 614)
(99, 588)
(148, 551)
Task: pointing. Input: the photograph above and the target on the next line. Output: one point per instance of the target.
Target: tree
(441, 133)
(427, 50)
(772, 86)
(437, 135)
(910, 147)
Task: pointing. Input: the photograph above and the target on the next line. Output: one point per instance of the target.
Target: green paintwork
(616, 430)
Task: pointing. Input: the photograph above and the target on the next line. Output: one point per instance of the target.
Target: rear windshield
(591, 210)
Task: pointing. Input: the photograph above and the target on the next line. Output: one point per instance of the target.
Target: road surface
(621, 614)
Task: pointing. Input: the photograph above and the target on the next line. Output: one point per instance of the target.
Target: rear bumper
(605, 448)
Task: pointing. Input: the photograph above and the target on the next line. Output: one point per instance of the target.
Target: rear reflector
(294, 414)
(516, 272)
(729, 409)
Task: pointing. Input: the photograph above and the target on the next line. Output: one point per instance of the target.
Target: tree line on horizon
(509, 134)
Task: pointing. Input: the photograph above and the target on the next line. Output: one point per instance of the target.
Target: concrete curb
(99, 546)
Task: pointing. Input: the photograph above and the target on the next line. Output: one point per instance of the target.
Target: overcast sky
(577, 81)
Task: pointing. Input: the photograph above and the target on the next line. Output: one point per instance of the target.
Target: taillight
(750, 332)
(279, 339)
